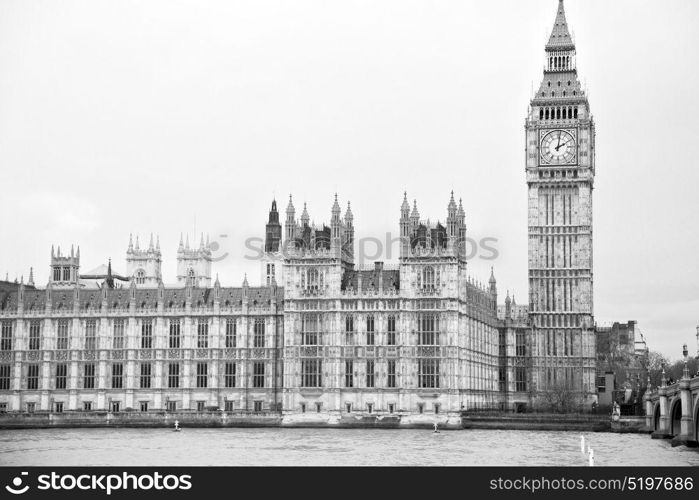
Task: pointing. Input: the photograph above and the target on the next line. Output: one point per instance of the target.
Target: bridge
(672, 411)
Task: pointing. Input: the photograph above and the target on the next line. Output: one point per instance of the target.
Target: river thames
(348, 447)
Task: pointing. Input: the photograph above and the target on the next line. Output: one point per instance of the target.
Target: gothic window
(173, 376)
(117, 375)
(310, 373)
(558, 113)
(564, 110)
(391, 338)
(34, 335)
(62, 334)
(229, 378)
(313, 280)
(66, 274)
(370, 330)
(56, 274)
(428, 278)
(575, 111)
(61, 375)
(309, 329)
(191, 275)
(230, 332)
(145, 378)
(349, 373)
(6, 341)
(553, 93)
(90, 334)
(258, 374)
(174, 337)
(547, 113)
(203, 333)
(140, 277)
(559, 83)
(89, 376)
(370, 375)
(202, 375)
(33, 377)
(541, 114)
(259, 333)
(428, 329)
(147, 334)
(391, 373)
(428, 373)
(520, 379)
(118, 337)
(564, 93)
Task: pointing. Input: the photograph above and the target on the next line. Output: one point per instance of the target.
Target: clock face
(558, 147)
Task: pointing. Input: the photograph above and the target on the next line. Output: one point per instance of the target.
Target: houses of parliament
(321, 337)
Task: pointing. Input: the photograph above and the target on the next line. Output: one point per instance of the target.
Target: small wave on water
(335, 447)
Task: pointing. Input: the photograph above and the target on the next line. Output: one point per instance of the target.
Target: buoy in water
(177, 426)
(591, 458)
(582, 443)
(436, 428)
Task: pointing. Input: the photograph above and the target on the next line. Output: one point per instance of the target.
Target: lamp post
(685, 354)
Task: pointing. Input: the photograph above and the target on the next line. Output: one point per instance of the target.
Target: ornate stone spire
(336, 206)
(30, 282)
(452, 204)
(560, 38)
(348, 214)
(304, 215)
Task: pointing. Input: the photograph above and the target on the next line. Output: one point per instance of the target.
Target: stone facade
(560, 170)
(323, 338)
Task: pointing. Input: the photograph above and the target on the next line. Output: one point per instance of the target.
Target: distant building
(622, 357)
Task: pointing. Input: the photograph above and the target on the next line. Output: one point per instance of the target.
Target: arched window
(575, 112)
(140, 277)
(313, 279)
(191, 275)
(558, 113)
(558, 83)
(541, 114)
(547, 113)
(548, 84)
(564, 113)
(567, 61)
(428, 278)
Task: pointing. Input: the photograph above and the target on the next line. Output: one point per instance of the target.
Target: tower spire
(560, 38)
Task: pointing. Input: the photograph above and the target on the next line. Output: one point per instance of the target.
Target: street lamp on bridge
(685, 354)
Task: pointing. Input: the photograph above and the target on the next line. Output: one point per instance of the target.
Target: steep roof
(560, 38)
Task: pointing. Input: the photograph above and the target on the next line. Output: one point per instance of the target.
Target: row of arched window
(559, 62)
(558, 113)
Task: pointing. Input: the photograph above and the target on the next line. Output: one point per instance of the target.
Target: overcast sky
(166, 116)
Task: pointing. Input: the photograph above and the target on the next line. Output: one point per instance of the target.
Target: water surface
(264, 446)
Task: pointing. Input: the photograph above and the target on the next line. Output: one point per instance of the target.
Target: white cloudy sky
(163, 116)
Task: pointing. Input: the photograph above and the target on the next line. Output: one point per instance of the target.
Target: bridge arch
(675, 416)
(696, 419)
(656, 416)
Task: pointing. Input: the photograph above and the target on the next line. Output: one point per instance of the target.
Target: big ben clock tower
(560, 169)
